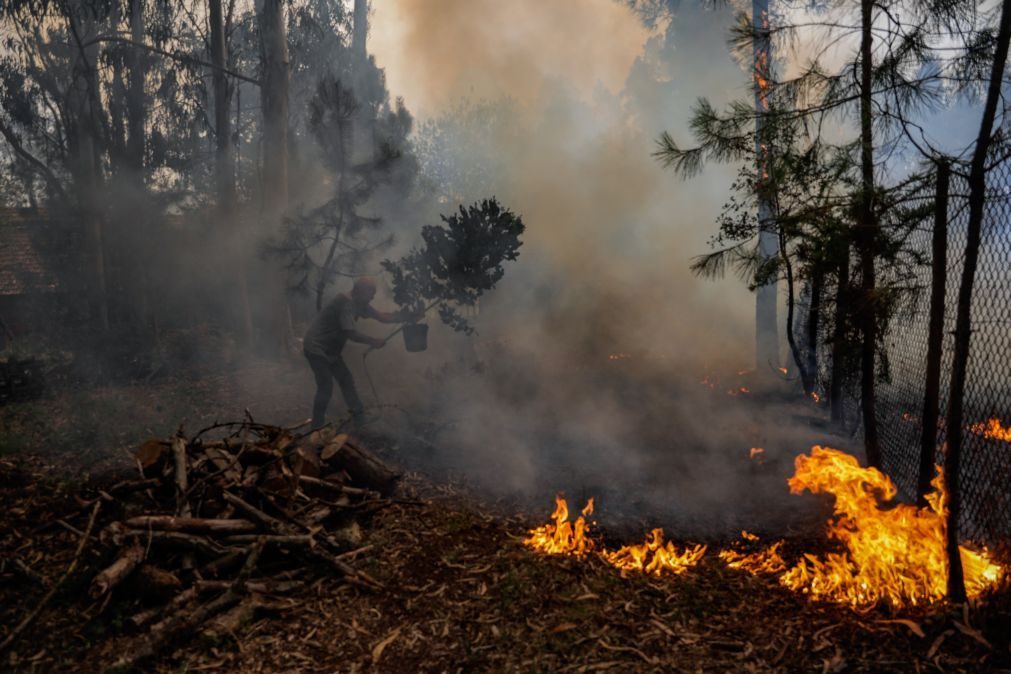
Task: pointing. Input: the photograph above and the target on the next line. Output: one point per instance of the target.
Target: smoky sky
(587, 89)
(435, 51)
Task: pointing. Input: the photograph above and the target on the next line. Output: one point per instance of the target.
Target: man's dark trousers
(326, 370)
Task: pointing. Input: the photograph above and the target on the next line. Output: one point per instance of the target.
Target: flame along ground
(894, 555)
(993, 429)
(571, 538)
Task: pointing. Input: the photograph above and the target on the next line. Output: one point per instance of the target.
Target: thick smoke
(554, 108)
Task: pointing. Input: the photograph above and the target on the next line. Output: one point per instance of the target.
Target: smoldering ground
(586, 373)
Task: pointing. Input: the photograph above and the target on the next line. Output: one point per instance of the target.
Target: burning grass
(653, 557)
(893, 555)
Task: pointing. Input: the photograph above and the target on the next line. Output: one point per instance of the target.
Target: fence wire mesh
(986, 458)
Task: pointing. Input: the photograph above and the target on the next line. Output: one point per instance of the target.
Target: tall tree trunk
(867, 236)
(135, 147)
(224, 164)
(766, 296)
(360, 30)
(963, 317)
(136, 110)
(814, 325)
(274, 101)
(805, 375)
(935, 336)
(842, 295)
(86, 174)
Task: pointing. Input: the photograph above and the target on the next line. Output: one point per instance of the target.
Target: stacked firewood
(215, 526)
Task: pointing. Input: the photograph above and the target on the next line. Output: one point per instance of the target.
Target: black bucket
(416, 337)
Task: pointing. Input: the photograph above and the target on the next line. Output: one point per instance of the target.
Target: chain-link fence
(986, 454)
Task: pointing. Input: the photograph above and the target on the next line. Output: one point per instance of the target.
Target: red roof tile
(22, 270)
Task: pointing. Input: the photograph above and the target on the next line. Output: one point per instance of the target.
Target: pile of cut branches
(215, 529)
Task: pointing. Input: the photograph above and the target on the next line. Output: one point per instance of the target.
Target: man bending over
(325, 339)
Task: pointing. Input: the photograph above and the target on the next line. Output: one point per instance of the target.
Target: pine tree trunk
(842, 295)
(866, 238)
(935, 337)
(766, 324)
(814, 325)
(963, 317)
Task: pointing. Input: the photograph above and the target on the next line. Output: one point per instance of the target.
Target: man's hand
(405, 316)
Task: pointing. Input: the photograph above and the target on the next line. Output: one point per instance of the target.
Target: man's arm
(374, 342)
(386, 316)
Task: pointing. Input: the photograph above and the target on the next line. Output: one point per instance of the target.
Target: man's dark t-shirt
(329, 331)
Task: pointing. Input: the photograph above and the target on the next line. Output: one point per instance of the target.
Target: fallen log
(230, 622)
(259, 586)
(139, 620)
(365, 468)
(191, 542)
(327, 485)
(292, 539)
(155, 582)
(197, 525)
(128, 560)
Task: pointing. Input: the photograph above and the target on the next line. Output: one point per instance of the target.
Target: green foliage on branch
(459, 261)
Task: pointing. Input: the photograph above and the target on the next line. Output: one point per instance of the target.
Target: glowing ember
(894, 555)
(563, 537)
(992, 430)
(619, 356)
(766, 560)
(815, 397)
(756, 453)
(654, 557)
(783, 370)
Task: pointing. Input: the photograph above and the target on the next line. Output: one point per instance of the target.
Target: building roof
(22, 268)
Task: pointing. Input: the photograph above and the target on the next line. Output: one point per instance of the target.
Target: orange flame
(767, 560)
(654, 557)
(992, 430)
(815, 397)
(567, 538)
(563, 537)
(894, 555)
